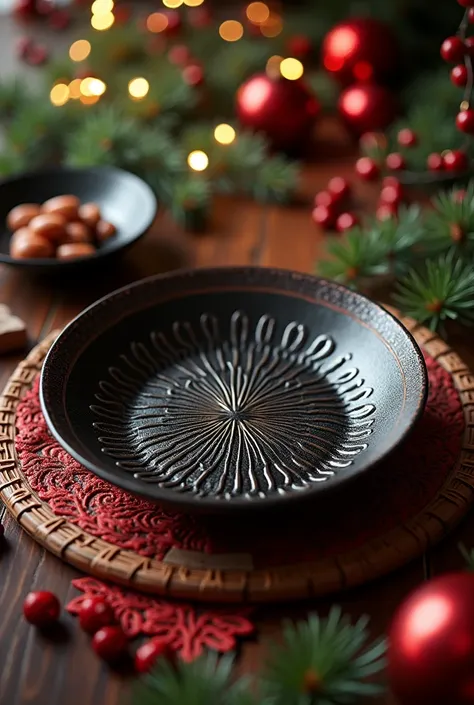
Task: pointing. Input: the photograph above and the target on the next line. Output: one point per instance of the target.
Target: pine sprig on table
(356, 256)
(451, 223)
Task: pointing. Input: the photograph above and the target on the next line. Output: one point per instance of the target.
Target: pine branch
(275, 181)
(355, 256)
(451, 223)
(442, 290)
(400, 237)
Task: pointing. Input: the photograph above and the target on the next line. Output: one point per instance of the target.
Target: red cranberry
(41, 608)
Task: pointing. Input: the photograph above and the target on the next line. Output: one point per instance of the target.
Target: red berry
(41, 608)
(459, 75)
(395, 161)
(323, 216)
(452, 49)
(407, 138)
(470, 15)
(367, 169)
(179, 55)
(94, 614)
(469, 46)
(435, 162)
(392, 181)
(385, 211)
(193, 75)
(346, 221)
(455, 160)
(390, 195)
(147, 655)
(325, 199)
(339, 188)
(299, 46)
(465, 121)
(109, 643)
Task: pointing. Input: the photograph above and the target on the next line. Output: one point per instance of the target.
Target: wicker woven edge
(106, 561)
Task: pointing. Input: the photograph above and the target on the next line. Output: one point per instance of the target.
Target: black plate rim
(236, 505)
(121, 245)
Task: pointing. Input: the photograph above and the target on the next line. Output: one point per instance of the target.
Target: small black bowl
(232, 389)
(124, 199)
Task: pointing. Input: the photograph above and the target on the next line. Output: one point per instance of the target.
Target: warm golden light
(102, 7)
(138, 88)
(198, 160)
(75, 89)
(172, 3)
(102, 22)
(273, 66)
(258, 12)
(85, 87)
(59, 94)
(89, 99)
(96, 87)
(193, 3)
(224, 134)
(80, 50)
(157, 22)
(292, 69)
(231, 30)
(272, 27)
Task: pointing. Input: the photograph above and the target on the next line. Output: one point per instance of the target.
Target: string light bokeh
(258, 12)
(291, 69)
(157, 22)
(59, 94)
(224, 134)
(79, 50)
(231, 30)
(138, 88)
(198, 160)
(102, 15)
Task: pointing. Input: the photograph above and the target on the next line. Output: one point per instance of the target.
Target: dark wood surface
(43, 672)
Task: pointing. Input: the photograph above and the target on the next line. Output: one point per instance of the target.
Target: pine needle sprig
(275, 181)
(451, 223)
(324, 662)
(401, 237)
(356, 256)
(443, 290)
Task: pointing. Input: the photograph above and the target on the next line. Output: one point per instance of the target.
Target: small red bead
(407, 138)
(339, 188)
(147, 655)
(452, 49)
(455, 160)
(94, 614)
(385, 211)
(465, 121)
(435, 162)
(179, 55)
(299, 46)
(323, 216)
(470, 15)
(367, 169)
(395, 161)
(41, 608)
(346, 221)
(193, 75)
(325, 199)
(109, 643)
(459, 75)
(390, 195)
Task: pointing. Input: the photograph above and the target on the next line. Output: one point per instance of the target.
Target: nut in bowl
(68, 218)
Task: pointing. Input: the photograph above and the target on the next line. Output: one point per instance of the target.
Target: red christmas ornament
(407, 138)
(459, 75)
(193, 75)
(179, 55)
(435, 162)
(283, 110)
(148, 654)
(452, 49)
(339, 188)
(110, 643)
(432, 644)
(386, 211)
(360, 49)
(299, 46)
(346, 221)
(367, 107)
(41, 608)
(95, 613)
(470, 15)
(395, 161)
(465, 121)
(367, 169)
(323, 216)
(455, 160)
(324, 199)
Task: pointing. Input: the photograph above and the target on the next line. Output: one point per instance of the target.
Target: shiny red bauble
(390, 195)
(346, 221)
(459, 75)
(94, 614)
(360, 49)
(455, 160)
(431, 652)
(367, 169)
(148, 654)
(110, 643)
(367, 108)
(339, 188)
(465, 121)
(41, 608)
(452, 49)
(435, 162)
(407, 138)
(395, 161)
(282, 110)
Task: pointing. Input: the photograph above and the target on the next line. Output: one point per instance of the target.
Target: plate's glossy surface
(124, 199)
(232, 388)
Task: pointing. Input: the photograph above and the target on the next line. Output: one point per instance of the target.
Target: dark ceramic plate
(125, 200)
(232, 388)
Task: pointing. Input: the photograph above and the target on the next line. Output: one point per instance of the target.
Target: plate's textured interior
(226, 408)
(232, 387)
